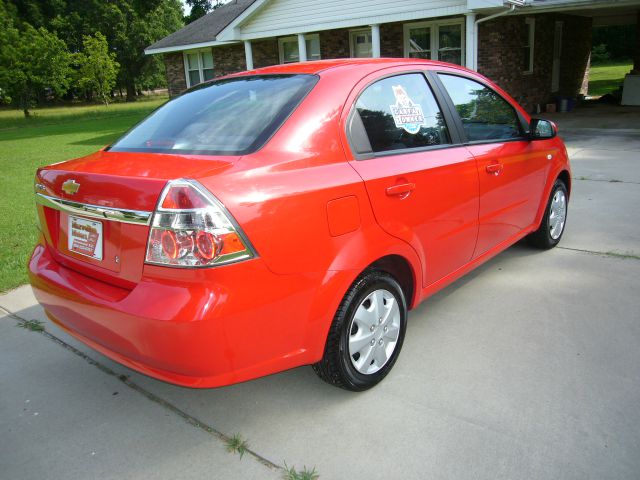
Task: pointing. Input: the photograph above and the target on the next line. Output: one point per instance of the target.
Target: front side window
(434, 41)
(199, 66)
(289, 52)
(485, 115)
(234, 116)
(401, 112)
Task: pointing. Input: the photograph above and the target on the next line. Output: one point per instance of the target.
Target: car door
(422, 183)
(511, 169)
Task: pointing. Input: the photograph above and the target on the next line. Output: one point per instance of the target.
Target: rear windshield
(234, 116)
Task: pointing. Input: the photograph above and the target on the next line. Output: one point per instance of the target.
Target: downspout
(511, 9)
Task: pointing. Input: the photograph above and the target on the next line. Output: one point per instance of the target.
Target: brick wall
(500, 56)
(265, 52)
(176, 80)
(334, 43)
(228, 59)
(391, 40)
(576, 54)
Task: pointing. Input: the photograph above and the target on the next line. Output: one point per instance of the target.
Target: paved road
(527, 368)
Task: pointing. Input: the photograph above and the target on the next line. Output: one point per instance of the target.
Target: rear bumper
(195, 328)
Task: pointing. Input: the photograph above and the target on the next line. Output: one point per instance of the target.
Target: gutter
(190, 46)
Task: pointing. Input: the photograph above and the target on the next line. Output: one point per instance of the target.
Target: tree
(31, 61)
(128, 25)
(98, 68)
(199, 8)
(139, 25)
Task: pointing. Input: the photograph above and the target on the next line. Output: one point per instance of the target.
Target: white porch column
(302, 47)
(375, 41)
(471, 43)
(248, 54)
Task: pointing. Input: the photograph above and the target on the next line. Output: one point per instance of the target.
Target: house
(537, 50)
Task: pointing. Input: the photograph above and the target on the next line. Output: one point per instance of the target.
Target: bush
(599, 54)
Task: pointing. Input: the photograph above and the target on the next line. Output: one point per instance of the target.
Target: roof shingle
(205, 28)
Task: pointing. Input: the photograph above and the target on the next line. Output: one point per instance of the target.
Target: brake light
(191, 228)
(183, 198)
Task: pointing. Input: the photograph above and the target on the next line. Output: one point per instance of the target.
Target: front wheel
(555, 217)
(366, 334)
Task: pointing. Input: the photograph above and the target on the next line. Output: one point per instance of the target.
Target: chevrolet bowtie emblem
(70, 187)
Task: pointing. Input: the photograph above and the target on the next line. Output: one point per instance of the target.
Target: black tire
(542, 237)
(336, 366)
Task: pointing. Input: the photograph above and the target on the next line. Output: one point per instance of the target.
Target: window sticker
(406, 114)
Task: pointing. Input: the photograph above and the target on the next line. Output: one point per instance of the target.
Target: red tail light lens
(169, 244)
(191, 228)
(206, 245)
(183, 198)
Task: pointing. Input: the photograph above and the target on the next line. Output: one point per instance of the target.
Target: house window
(528, 37)
(419, 43)
(361, 43)
(442, 41)
(198, 66)
(288, 48)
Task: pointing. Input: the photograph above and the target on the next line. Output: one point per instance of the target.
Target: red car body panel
(317, 218)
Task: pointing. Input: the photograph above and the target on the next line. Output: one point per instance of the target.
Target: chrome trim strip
(136, 217)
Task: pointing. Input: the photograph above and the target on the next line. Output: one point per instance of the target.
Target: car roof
(319, 66)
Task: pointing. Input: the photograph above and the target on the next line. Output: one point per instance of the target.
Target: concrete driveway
(529, 367)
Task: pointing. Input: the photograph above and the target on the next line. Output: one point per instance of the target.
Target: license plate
(85, 237)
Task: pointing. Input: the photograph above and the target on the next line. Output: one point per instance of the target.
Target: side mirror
(540, 129)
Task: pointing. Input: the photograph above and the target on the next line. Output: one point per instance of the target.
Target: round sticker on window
(406, 114)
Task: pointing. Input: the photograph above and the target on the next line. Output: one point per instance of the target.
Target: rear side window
(485, 115)
(400, 112)
(235, 116)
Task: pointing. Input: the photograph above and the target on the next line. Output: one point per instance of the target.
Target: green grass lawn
(52, 135)
(605, 79)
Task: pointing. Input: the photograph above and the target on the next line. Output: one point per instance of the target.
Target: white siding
(283, 17)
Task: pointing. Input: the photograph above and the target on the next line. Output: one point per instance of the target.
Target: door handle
(402, 189)
(495, 168)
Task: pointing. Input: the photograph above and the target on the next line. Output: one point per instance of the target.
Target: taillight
(191, 228)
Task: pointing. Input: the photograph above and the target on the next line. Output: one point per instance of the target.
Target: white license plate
(85, 237)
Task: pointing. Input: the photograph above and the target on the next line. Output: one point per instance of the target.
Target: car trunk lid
(94, 212)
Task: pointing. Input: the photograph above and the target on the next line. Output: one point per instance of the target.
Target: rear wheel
(367, 333)
(555, 216)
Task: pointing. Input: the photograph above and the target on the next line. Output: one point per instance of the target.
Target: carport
(616, 13)
(539, 51)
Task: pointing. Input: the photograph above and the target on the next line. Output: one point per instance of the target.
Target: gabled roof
(203, 31)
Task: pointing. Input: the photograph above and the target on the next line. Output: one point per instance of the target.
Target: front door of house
(361, 42)
(557, 50)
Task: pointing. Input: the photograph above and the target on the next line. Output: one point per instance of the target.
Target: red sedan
(292, 215)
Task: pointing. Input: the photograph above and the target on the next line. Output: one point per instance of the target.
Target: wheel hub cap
(374, 332)
(557, 214)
